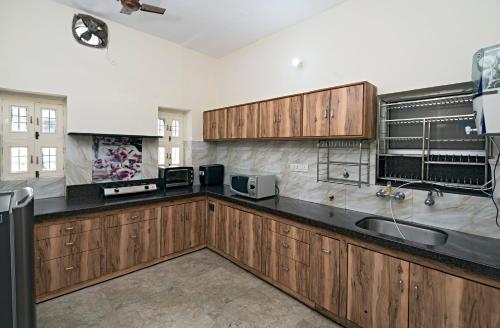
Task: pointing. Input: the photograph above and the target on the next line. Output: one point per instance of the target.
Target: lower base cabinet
(377, 289)
(439, 299)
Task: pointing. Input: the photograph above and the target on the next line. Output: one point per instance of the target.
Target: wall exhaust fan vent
(90, 31)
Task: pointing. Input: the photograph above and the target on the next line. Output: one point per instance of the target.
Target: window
(18, 159)
(161, 155)
(161, 127)
(32, 142)
(176, 156)
(49, 158)
(175, 128)
(19, 119)
(49, 120)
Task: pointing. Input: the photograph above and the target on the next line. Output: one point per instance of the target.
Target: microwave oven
(171, 177)
(253, 186)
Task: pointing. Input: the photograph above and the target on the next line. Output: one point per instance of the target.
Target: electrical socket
(299, 167)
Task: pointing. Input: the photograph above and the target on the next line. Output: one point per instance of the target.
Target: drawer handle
(70, 268)
(133, 217)
(133, 236)
(285, 245)
(285, 268)
(286, 230)
(326, 251)
(69, 228)
(70, 243)
(401, 285)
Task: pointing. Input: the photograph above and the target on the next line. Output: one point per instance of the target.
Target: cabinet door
(172, 229)
(316, 113)
(121, 247)
(208, 125)
(250, 239)
(226, 231)
(148, 244)
(289, 111)
(233, 123)
(438, 300)
(268, 121)
(346, 112)
(249, 116)
(377, 289)
(194, 224)
(220, 124)
(325, 273)
(211, 224)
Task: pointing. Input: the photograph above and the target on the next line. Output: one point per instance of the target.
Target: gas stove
(127, 188)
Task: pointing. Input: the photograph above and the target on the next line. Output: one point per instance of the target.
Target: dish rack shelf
(344, 162)
(422, 140)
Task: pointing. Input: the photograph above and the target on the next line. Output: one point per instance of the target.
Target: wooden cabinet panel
(121, 245)
(66, 228)
(439, 299)
(267, 120)
(288, 247)
(233, 123)
(290, 273)
(172, 229)
(194, 224)
(294, 232)
(377, 289)
(52, 248)
(249, 236)
(147, 246)
(346, 112)
(211, 223)
(249, 115)
(207, 125)
(69, 270)
(316, 114)
(325, 273)
(289, 116)
(215, 124)
(133, 216)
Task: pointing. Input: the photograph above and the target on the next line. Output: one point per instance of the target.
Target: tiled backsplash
(464, 213)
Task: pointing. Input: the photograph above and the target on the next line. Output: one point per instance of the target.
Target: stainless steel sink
(419, 234)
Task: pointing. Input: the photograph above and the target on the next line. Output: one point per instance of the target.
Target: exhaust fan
(90, 31)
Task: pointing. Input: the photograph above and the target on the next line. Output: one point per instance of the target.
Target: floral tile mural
(116, 159)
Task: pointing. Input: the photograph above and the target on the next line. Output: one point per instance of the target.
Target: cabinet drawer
(288, 247)
(289, 231)
(52, 248)
(133, 216)
(66, 228)
(67, 271)
(290, 273)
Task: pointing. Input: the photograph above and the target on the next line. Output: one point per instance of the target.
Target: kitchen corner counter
(469, 252)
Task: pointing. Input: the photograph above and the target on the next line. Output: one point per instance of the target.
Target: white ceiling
(212, 27)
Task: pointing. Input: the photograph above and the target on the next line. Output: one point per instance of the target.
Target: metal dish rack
(423, 141)
(352, 169)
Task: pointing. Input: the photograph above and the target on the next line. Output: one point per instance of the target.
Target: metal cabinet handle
(133, 217)
(285, 268)
(70, 268)
(133, 236)
(416, 291)
(286, 230)
(401, 285)
(70, 243)
(326, 113)
(326, 251)
(285, 245)
(69, 228)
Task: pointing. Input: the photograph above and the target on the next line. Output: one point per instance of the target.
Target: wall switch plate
(299, 167)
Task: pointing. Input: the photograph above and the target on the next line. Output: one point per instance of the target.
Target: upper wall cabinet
(280, 118)
(215, 124)
(242, 122)
(344, 112)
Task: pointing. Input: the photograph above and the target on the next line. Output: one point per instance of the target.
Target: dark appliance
(17, 286)
(127, 188)
(171, 177)
(211, 175)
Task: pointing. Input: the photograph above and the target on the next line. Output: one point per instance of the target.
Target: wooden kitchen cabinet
(131, 244)
(316, 114)
(239, 234)
(280, 118)
(325, 273)
(182, 227)
(215, 124)
(213, 210)
(242, 122)
(377, 289)
(438, 299)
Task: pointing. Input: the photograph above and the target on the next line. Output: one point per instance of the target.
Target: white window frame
(168, 141)
(10, 139)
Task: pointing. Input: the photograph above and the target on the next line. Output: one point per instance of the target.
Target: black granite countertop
(470, 252)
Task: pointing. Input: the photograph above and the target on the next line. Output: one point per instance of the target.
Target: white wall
(119, 92)
(395, 44)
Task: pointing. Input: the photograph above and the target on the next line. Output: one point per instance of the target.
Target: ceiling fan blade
(126, 11)
(152, 9)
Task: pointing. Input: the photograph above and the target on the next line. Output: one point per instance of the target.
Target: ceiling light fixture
(296, 62)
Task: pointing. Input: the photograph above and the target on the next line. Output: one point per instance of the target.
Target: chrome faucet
(389, 192)
(430, 201)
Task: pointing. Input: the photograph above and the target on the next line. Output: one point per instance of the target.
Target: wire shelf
(442, 101)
